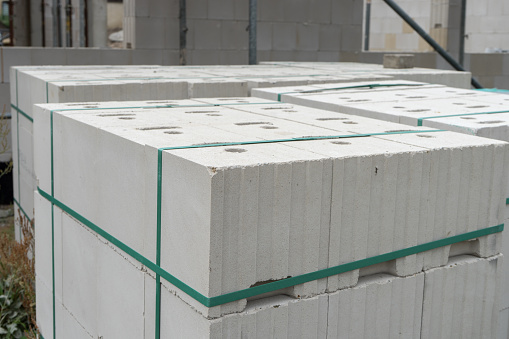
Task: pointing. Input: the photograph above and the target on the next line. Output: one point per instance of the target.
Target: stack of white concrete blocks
(237, 216)
(435, 106)
(52, 84)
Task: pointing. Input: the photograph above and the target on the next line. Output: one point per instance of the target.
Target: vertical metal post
(59, 24)
(68, 23)
(367, 25)
(183, 32)
(462, 32)
(85, 14)
(252, 31)
(43, 23)
(82, 23)
(11, 22)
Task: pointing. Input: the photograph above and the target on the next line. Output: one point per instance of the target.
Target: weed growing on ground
(17, 283)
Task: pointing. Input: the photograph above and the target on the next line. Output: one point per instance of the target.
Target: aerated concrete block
(356, 312)
(350, 312)
(460, 299)
(398, 61)
(96, 278)
(503, 324)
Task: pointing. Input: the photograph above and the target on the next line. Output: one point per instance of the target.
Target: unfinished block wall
(217, 33)
(390, 33)
(486, 28)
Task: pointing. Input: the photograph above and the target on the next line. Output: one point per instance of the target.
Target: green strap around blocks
(369, 86)
(21, 209)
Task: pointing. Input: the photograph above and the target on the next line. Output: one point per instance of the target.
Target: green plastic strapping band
(16, 108)
(419, 121)
(319, 90)
(21, 209)
(507, 201)
(53, 230)
(276, 285)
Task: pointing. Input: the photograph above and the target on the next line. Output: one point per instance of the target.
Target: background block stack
(479, 113)
(443, 77)
(33, 85)
(275, 197)
(54, 84)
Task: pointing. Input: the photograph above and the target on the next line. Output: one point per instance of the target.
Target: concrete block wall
(485, 30)
(486, 26)
(390, 33)
(151, 24)
(217, 29)
(31, 24)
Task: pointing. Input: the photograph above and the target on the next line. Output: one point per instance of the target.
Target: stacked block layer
(274, 198)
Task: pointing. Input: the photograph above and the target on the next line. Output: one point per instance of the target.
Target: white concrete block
(356, 312)
(460, 299)
(503, 324)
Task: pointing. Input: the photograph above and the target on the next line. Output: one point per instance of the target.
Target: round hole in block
(350, 122)
(467, 118)
(340, 143)
(418, 110)
(268, 127)
(173, 132)
(459, 103)
(235, 150)
(214, 115)
(326, 119)
(398, 107)
(490, 122)
(126, 118)
(425, 136)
